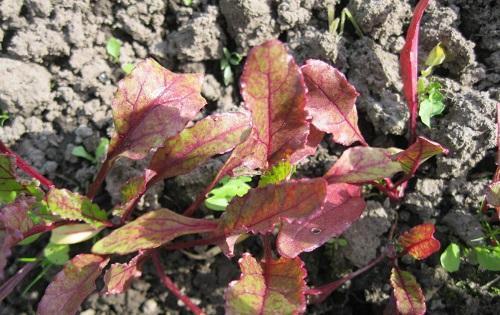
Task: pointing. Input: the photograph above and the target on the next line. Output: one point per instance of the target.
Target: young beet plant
(289, 109)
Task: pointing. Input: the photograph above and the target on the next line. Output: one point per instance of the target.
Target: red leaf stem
(99, 179)
(169, 284)
(23, 165)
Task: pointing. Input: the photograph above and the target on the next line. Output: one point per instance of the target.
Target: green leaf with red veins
(151, 105)
(150, 230)
(14, 221)
(216, 134)
(10, 184)
(419, 152)
(493, 194)
(133, 189)
(419, 241)
(73, 206)
(261, 209)
(409, 297)
(72, 285)
(344, 205)
(277, 287)
(331, 102)
(118, 277)
(359, 165)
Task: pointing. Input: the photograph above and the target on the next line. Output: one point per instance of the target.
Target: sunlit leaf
(488, 257)
(419, 152)
(151, 105)
(277, 287)
(419, 241)
(313, 140)
(331, 102)
(72, 285)
(73, 233)
(362, 164)
(118, 277)
(151, 230)
(261, 209)
(73, 206)
(278, 173)
(219, 198)
(409, 297)
(342, 207)
(113, 47)
(436, 56)
(450, 258)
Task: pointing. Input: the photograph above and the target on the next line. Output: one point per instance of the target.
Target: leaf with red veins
(276, 287)
(72, 285)
(151, 105)
(261, 209)
(331, 102)
(342, 207)
(409, 63)
(151, 230)
(213, 135)
(359, 165)
(419, 152)
(409, 297)
(419, 241)
(118, 277)
(133, 189)
(313, 140)
(14, 221)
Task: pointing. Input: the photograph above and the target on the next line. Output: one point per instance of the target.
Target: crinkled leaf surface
(342, 207)
(362, 164)
(73, 206)
(118, 277)
(151, 105)
(277, 287)
(419, 152)
(331, 102)
(409, 59)
(263, 208)
(419, 241)
(215, 134)
(150, 230)
(133, 189)
(409, 297)
(72, 285)
(14, 221)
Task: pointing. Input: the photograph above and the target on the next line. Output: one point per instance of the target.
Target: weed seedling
(229, 59)
(100, 151)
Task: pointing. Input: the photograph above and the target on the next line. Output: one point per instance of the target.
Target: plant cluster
(289, 109)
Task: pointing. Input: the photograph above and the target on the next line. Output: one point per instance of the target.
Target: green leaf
(74, 206)
(4, 116)
(187, 3)
(228, 76)
(235, 59)
(127, 68)
(29, 239)
(101, 149)
(56, 254)
(9, 183)
(488, 257)
(220, 197)
(436, 56)
(450, 258)
(73, 233)
(278, 173)
(80, 151)
(113, 47)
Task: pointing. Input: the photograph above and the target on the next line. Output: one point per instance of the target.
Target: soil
(58, 82)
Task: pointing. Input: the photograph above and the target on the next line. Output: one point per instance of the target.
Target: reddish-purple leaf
(133, 190)
(72, 285)
(416, 154)
(150, 230)
(276, 287)
(213, 135)
(261, 209)
(409, 64)
(409, 297)
(359, 165)
(331, 102)
(14, 221)
(151, 105)
(118, 277)
(313, 140)
(419, 241)
(342, 207)
(493, 194)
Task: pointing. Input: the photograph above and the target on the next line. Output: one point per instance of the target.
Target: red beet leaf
(131, 192)
(275, 287)
(409, 297)
(72, 285)
(344, 205)
(419, 152)
(331, 102)
(313, 140)
(261, 209)
(359, 165)
(419, 241)
(118, 277)
(14, 221)
(274, 92)
(409, 65)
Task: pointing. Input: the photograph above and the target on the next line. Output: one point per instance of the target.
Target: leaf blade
(450, 258)
(419, 152)
(419, 241)
(409, 297)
